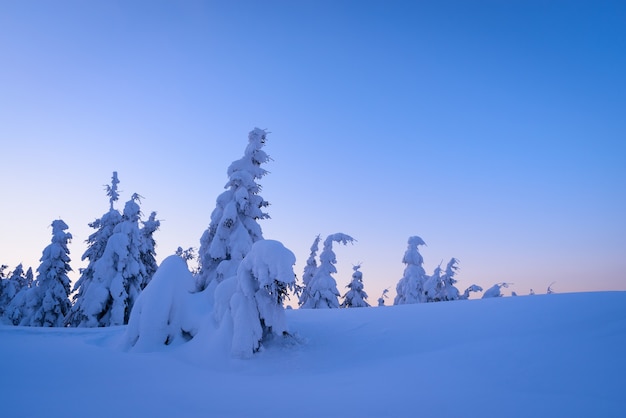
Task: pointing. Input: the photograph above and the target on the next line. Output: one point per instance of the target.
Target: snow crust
(558, 355)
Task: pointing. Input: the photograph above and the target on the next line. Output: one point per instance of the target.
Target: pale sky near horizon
(495, 130)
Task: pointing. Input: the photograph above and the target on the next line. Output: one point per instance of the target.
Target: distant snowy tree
(188, 254)
(472, 288)
(410, 288)
(322, 287)
(550, 290)
(355, 297)
(148, 247)
(309, 271)
(263, 279)
(10, 286)
(117, 274)
(383, 296)
(433, 286)
(234, 227)
(494, 291)
(47, 302)
(532, 292)
(96, 244)
(440, 287)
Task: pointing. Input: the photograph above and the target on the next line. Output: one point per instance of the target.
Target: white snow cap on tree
(256, 307)
(322, 289)
(410, 288)
(48, 302)
(160, 315)
(234, 227)
(355, 297)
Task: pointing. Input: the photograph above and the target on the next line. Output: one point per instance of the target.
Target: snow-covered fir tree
(322, 287)
(440, 287)
(234, 223)
(10, 287)
(472, 288)
(383, 296)
(187, 255)
(356, 296)
(117, 274)
(148, 247)
(47, 301)
(263, 279)
(495, 290)
(410, 288)
(433, 285)
(96, 244)
(309, 271)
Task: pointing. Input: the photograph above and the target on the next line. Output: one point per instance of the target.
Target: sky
(493, 130)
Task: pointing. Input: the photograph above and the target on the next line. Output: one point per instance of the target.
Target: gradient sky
(495, 130)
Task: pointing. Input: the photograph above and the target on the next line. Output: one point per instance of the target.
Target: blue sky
(494, 130)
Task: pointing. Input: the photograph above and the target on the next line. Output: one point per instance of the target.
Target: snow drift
(540, 356)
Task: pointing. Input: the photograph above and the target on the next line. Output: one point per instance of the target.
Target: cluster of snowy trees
(416, 286)
(238, 289)
(121, 256)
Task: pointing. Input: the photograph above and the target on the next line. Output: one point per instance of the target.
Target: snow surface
(558, 355)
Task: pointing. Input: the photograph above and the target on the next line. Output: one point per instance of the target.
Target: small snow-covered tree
(264, 277)
(472, 288)
(234, 223)
(148, 247)
(322, 287)
(355, 297)
(309, 271)
(494, 291)
(383, 296)
(410, 288)
(47, 302)
(440, 287)
(96, 244)
(117, 274)
(433, 285)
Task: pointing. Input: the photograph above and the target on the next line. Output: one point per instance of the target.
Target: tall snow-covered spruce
(234, 227)
(309, 271)
(410, 288)
(96, 244)
(118, 274)
(47, 302)
(121, 263)
(322, 288)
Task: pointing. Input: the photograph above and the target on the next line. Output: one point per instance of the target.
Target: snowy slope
(529, 356)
